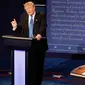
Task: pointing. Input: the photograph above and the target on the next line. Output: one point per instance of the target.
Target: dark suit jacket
(38, 28)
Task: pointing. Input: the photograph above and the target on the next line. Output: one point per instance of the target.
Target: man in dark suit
(38, 31)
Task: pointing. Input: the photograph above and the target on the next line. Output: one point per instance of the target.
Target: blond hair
(29, 3)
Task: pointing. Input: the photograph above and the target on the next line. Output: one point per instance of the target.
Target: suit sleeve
(20, 27)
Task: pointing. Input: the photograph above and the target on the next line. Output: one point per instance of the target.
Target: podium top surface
(14, 42)
(21, 38)
(14, 37)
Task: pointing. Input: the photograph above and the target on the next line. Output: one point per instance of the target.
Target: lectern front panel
(19, 67)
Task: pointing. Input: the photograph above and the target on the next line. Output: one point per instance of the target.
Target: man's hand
(38, 36)
(14, 23)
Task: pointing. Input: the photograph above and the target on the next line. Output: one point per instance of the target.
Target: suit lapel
(27, 24)
(27, 21)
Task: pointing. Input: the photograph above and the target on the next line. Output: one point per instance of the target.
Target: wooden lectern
(78, 75)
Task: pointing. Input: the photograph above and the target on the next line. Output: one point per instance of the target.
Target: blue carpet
(6, 80)
(51, 82)
(52, 67)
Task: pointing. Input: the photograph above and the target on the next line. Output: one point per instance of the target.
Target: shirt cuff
(14, 28)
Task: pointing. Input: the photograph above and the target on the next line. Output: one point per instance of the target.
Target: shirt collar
(33, 15)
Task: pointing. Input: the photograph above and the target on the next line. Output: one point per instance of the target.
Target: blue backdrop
(66, 26)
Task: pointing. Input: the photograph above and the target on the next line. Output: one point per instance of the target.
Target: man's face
(30, 9)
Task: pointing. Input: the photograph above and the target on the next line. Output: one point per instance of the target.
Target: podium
(20, 47)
